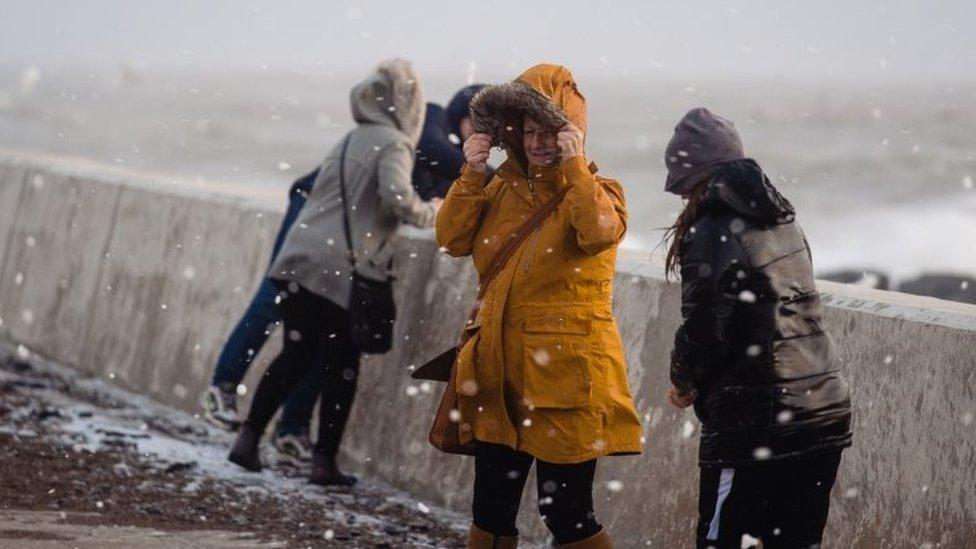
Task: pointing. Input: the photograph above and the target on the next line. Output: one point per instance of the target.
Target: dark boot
(245, 451)
(326, 473)
(480, 539)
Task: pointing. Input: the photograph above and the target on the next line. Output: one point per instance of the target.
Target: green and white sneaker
(294, 449)
(220, 406)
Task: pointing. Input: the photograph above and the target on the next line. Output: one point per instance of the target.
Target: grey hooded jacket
(389, 109)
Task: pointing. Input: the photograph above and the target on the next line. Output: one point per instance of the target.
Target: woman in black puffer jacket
(751, 353)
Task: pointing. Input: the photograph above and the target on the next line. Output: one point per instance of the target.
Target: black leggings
(565, 493)
(315, 335)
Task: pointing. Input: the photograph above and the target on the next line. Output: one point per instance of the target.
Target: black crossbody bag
(372, 311)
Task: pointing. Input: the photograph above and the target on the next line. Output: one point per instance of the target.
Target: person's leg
(339, 359)
(731, 504)
(254, 327)
(302, 318)
(499, 478)
(566, 500)
(296, 414)
(292, 438)
(220, 399)
(302, 324)
(247, 338)
(800, 506)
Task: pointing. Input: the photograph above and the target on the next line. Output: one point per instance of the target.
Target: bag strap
(508, 250)
(345, 203)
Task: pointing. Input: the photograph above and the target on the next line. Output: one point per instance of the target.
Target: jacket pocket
(556, 371)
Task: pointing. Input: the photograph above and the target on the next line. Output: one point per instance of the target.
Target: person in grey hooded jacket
(313, 272)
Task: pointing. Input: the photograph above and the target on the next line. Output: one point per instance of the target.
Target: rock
(866, 278)
(943, 286)
(151, 509)
(47, 413)
(180, 467)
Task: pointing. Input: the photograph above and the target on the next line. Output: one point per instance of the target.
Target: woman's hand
(476, 151)
(679, 399)
(570, 142)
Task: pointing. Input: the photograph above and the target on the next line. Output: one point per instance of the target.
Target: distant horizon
(8, 70)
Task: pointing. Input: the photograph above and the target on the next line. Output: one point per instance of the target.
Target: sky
(828, 39)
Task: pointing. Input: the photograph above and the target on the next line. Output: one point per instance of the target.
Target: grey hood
(391, 96)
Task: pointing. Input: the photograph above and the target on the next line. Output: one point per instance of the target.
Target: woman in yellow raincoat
(543, 378)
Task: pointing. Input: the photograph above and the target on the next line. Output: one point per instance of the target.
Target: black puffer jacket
(752, 343)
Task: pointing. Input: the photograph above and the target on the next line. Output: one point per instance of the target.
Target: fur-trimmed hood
(547, 93)
(393, 96)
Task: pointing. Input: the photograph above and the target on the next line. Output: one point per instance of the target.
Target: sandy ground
(85, 464)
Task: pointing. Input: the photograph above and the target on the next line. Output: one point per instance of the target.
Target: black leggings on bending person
(315, 335)
(565, 493)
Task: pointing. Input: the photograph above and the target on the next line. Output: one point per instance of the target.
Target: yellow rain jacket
(545, 372)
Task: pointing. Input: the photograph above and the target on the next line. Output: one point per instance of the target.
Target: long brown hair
(676, 233)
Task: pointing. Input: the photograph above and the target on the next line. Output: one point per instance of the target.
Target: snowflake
(541, 357)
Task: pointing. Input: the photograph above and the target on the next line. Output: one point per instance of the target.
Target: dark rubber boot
(480, 539)
(326, 473)
(245, 451)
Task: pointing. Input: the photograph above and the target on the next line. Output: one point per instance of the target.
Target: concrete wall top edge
(271, 200)
(877, 302)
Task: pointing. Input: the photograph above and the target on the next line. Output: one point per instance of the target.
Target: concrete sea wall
(138, 278)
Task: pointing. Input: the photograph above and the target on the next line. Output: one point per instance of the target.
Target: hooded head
(546, 93)
(392, 96)
(457, 108)
(701, 140)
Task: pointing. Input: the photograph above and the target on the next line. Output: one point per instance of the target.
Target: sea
(881, 174)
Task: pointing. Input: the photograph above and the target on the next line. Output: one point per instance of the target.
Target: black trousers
(782, 503)
(565, 493)
(315, 335)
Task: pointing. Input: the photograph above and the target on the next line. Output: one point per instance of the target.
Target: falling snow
(541, 357)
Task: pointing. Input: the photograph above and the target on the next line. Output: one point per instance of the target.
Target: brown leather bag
(445, 433)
